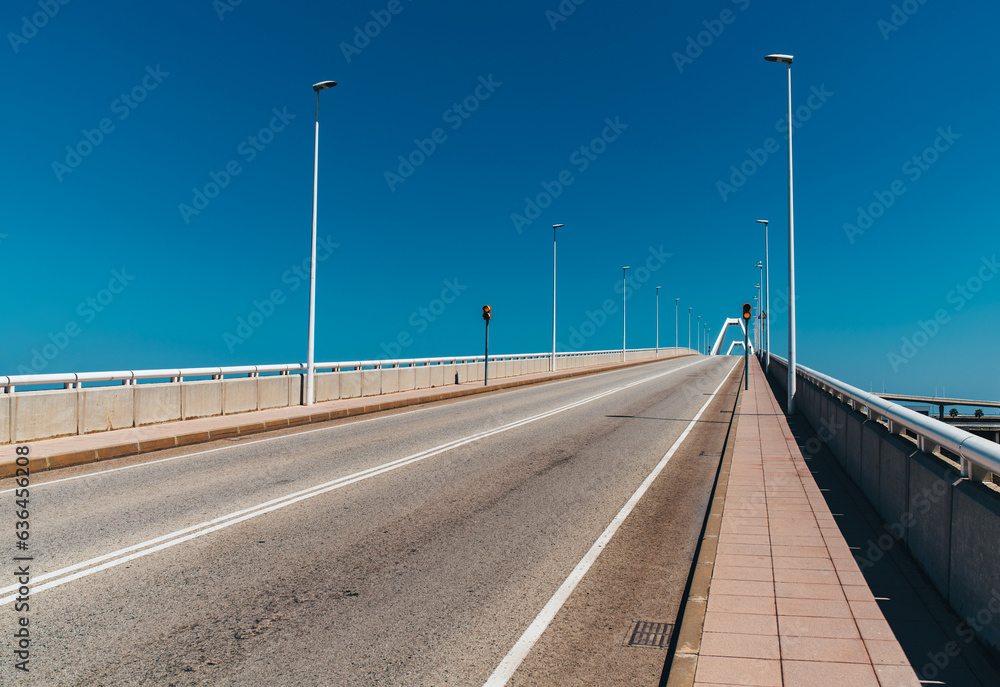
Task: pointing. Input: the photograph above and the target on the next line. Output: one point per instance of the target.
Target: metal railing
(930, 432)
(71, 380)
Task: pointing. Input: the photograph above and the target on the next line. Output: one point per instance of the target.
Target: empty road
(449, 544)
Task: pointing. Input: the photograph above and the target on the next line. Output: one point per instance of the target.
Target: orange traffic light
(746, 311)
(486, 313)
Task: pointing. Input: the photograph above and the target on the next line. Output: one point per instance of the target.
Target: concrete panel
(974, 586)
(371, 382)
(422, 377)
(5, 418)
(462, 370)
(806, 401)
(43, 414)
(272, 392)
(929, 537)
(437, 375)
(407, 378)
(390, 380)
(239, 395)
(202, 398)
(350, 384)
(894, 475)
(871, 446)
(108, 407)
(837, 424)
(476, 371)
(157, 403)
(295, 384)
(852, 443)
(327, 386)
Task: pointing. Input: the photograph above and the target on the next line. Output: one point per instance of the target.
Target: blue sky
(159, 158)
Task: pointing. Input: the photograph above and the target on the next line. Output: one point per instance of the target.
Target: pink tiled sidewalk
(787, 605)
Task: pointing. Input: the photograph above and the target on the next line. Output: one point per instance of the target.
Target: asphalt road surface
(450, 544)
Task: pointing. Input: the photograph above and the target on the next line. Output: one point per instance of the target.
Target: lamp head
(556, 226)
(784, 59)
(323, 85)
(762, 221)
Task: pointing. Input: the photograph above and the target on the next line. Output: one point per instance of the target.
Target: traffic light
(746, 311)
(486, 313)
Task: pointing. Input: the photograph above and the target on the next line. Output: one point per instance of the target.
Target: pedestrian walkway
(787, 605)
(60, 452)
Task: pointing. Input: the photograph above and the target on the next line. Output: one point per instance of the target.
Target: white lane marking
(39, 485)
(210, 450)
(519, 651)
(115, 558)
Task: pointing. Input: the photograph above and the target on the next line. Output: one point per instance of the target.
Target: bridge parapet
(930, 482)
(87, 403)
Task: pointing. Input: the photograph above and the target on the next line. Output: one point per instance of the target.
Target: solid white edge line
(39, 485)
(510, 663)
(121, 556)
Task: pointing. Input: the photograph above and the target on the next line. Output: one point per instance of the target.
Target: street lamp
(624, 270)
(767, 302)
(552, 363)
(697, 334)
(676, 328)
(708, 331)
(760, 309)
(658, 321)
(689, 326)
(787, 59)
(310, 362)
(756, 307)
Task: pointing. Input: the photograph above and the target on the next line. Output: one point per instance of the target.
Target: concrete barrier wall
(33, 415)
(951, 525)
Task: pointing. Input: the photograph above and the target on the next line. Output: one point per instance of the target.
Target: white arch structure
(722, 335)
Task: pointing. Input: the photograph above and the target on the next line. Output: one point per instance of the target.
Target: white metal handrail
(128, 377)
(930, 431)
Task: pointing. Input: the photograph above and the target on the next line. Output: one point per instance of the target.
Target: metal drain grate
(654, 635)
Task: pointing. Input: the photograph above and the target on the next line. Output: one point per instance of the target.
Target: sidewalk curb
(682, 661)
(366, 406)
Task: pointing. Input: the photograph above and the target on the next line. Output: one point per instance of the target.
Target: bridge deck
(787, 604)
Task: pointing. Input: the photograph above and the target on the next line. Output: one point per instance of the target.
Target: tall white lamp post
(787, 59)
(310, 361)
(552, 364)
